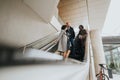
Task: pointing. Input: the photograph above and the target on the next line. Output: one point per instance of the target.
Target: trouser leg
(72, 42)
(82, 53)
(72, 45)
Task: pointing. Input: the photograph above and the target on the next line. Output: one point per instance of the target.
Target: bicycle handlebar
(101, 65)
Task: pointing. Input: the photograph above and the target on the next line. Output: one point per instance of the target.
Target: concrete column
(97, 47)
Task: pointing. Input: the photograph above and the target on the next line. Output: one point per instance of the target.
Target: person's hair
(63, 27)
(67, 23)
(81, 26)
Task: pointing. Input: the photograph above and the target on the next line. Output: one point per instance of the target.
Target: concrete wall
(45, 8)
(20, 25)
(97, 10)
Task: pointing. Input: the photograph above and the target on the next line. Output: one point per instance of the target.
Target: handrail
(87, 56)
(41, 42)
(49, 46)
(92, 68)
(49, 37)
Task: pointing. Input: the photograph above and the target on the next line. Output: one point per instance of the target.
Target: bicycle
(101, 75)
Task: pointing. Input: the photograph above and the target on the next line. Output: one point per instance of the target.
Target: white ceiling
(97, 13)
(76, 12)
(112, 23)
(45, 8)
(73, 11)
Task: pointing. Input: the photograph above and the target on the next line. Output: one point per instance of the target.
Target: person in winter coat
(62, 45)
(80, 43)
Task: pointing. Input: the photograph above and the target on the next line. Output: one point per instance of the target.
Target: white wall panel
(20, 25)
(45, 8)
(97, 13)
(73, 11)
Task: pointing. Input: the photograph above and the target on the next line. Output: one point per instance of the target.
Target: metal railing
(42, 43)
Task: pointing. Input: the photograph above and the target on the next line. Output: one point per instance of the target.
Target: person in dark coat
(71, 35)
(80, 43)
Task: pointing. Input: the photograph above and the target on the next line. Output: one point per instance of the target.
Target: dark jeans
(70, 46)
(79, 53)
(82, 54)
(70, 43)
(79, 49)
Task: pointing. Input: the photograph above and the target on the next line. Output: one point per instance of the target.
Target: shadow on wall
(6, 54)
(10, 56)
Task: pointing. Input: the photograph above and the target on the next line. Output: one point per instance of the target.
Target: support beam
(97, 46)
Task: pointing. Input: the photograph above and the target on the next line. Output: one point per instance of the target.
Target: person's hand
(80, 36)
(56, 41)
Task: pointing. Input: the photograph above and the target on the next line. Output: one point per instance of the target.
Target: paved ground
(115, 77)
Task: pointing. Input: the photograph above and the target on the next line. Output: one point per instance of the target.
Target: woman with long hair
(62, 38)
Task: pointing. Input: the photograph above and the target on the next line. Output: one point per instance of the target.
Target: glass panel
(112, 56)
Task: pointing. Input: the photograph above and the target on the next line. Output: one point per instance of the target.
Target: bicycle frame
(101, 75)
(101, 72)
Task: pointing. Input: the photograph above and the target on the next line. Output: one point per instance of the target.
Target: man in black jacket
(71, 35)
(80, 41)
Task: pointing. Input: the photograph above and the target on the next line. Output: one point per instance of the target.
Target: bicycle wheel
(104, 77)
